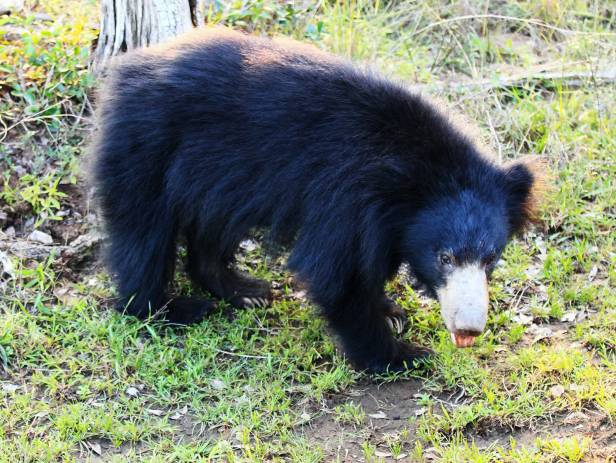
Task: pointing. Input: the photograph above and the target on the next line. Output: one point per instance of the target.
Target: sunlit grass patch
(247, 385)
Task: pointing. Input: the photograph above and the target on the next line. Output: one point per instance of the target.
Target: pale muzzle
(464, 303)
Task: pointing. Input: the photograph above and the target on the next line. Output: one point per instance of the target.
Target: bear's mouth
(463, 340)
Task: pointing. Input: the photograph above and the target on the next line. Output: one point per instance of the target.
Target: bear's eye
(446, 260)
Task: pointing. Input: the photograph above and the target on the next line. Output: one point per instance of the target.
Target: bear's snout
(464, 303)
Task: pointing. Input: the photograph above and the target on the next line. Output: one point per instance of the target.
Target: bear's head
(455, 241)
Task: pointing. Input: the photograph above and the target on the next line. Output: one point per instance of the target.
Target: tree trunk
(128, 24)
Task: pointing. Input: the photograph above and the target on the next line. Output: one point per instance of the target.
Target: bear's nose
(472, 333)
(471, 321)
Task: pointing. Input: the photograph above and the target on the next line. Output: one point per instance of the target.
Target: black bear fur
(219, 133)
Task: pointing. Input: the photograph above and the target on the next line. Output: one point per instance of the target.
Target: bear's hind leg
(142, 258)
(219, 278)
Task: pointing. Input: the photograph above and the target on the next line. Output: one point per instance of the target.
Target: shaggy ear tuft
(525, 184)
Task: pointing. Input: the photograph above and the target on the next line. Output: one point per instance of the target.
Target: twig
(533, 22)
(570, 79)
(495, 135)
(233, 354)
(24, 120)
(26, 249)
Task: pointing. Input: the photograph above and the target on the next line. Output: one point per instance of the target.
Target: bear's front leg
(361, 322)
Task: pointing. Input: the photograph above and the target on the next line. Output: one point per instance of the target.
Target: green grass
(268, 384)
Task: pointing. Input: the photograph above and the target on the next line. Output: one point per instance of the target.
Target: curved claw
(254, 302)
(399, 325)
(396, 324)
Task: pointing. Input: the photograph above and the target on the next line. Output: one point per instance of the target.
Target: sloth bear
(219, 133)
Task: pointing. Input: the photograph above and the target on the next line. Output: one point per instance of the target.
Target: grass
(79, 382)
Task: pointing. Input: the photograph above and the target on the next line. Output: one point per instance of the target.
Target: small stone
(155, 412)
(593, 273)
(11, 6)
(218, 384)
(6, 266)
(43, 17)
(132, 391)
(557, 390)
(382, 454)
(378, 415)
(8, 387)
(431, 454)
(10, 232)
(40, 237)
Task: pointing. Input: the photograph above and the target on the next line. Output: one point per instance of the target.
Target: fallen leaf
(180, 413)
(154, 411)
(575, 418)
(430, 454)
(95, 447)
(522, 319)
(248, 245)
(540, 332)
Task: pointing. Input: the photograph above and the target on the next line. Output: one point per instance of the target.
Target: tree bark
(128, 24)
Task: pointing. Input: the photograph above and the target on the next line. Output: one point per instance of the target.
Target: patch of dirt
(187, 429)
(388, 409)
(595, 427)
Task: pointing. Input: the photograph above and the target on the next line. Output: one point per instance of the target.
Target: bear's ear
(524, 185)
